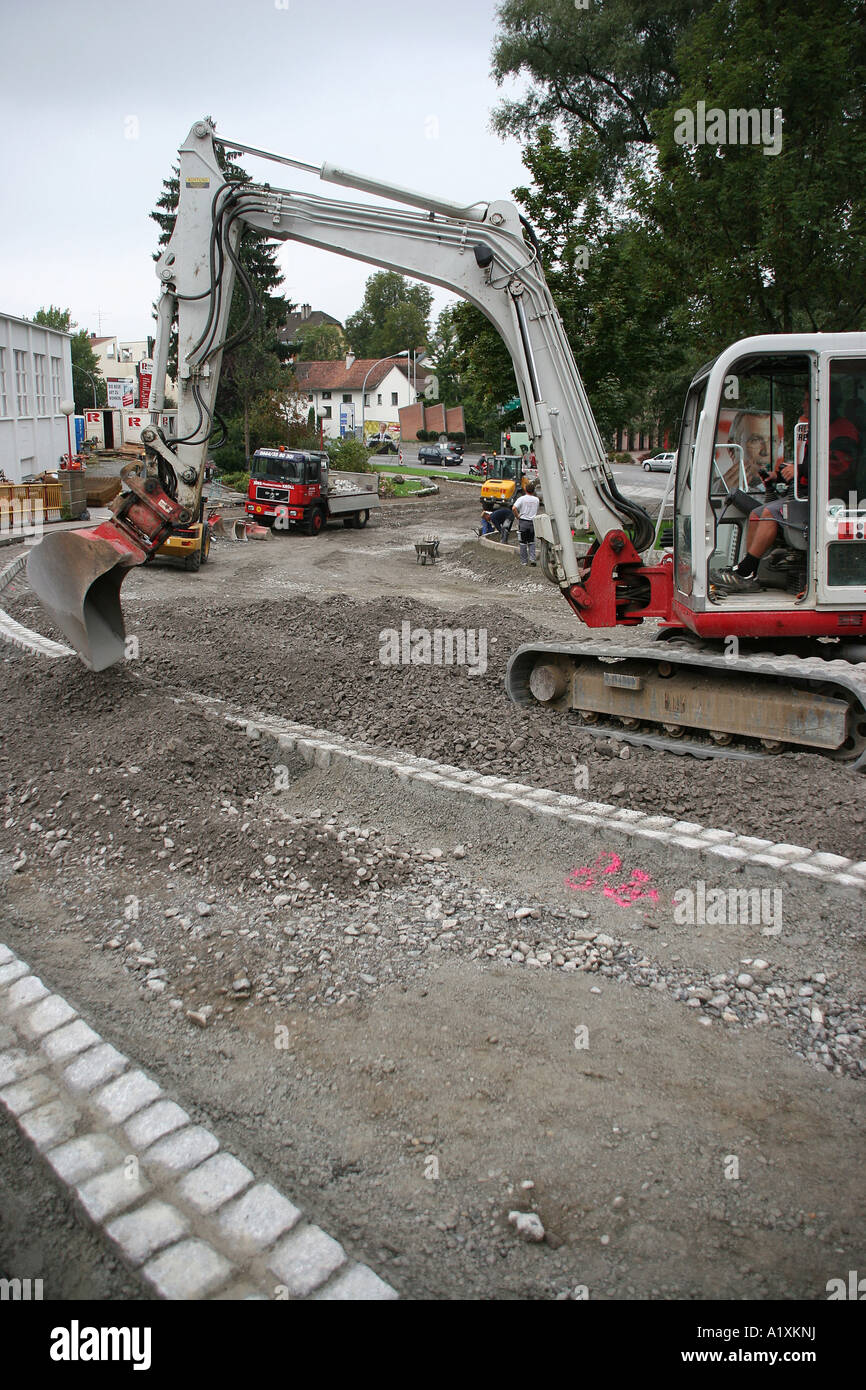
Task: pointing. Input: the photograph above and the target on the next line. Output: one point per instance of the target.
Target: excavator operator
(766, 519)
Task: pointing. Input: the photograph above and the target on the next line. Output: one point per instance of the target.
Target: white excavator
(762, 664)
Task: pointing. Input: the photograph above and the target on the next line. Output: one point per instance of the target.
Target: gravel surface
(307, 645)
(407, 1013)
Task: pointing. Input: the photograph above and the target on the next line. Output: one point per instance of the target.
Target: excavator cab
(772, 465)
(504, 479)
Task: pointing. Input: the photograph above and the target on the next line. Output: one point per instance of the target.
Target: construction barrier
(28, 504)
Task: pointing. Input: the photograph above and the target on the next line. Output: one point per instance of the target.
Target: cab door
(684, 521)
(841, 483)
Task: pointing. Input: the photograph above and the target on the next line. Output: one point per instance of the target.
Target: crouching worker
(526, 510)
(503, 520)
(496, 523)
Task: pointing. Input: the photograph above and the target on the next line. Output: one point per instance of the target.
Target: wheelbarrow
(425, 550)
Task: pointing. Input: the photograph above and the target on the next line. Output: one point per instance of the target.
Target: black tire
(361, 519)
(205, 545)
(315, 522)
(646, 468)
(193, 561)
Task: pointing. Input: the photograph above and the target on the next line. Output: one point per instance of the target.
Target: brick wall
(411, 420)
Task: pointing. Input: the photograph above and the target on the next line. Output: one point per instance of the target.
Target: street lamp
(90, 378)
(67, 408)
(389, 358)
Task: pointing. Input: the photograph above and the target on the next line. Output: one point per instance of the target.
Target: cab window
(762, 423)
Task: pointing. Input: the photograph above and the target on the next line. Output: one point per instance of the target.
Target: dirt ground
(388, 992)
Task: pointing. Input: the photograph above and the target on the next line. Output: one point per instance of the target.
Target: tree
(603, 68)
(480, 359)
(250, 380)
(277, 417)
(320, 342)
(688, 247)
(394, 316)
(86, 376)
(616, 306)
(53, 317)
(776, 228)
(446, 356)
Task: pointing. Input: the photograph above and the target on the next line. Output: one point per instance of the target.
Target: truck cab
(288, 484)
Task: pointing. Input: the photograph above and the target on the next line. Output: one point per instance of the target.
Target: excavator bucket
(76, 575)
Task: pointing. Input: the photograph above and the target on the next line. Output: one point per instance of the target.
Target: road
(631, 478)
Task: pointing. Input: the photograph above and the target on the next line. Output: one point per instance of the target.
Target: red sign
(145, 380)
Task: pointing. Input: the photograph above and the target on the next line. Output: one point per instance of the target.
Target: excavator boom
(483, 252)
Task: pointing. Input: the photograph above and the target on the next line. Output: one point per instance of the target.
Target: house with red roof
(359, 390)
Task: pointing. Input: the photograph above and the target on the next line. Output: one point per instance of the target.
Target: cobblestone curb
(13, 632)
(320, 749)
(190, 1219)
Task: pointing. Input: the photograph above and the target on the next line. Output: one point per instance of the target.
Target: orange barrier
(29, 502)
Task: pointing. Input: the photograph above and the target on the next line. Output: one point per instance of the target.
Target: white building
(353, 389)
(119, 361)
(35, 377)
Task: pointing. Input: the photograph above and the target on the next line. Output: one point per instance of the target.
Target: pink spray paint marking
(625, 893)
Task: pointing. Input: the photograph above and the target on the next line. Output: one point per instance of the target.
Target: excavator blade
(76, 575)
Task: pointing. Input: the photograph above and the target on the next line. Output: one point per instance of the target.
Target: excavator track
(696, 699)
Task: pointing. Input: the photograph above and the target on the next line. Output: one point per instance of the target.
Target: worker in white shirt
(526, 510)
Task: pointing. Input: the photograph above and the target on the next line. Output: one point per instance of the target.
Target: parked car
(454, 451)
(659, 463)
(432, 453)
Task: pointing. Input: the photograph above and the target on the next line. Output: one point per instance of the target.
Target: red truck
(296, 488)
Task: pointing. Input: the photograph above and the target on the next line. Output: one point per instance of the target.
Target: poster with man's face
(745, 437)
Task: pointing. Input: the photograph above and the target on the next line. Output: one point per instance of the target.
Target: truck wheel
(361, 519)
(315, 521)
(205, 545)
(193, 561)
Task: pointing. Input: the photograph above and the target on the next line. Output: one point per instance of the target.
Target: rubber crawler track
(805, 672)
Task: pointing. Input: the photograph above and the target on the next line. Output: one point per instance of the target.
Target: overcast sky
(391, 88)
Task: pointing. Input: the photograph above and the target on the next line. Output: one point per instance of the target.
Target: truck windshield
(281, 469)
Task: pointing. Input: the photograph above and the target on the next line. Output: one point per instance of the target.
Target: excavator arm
(486, 253)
